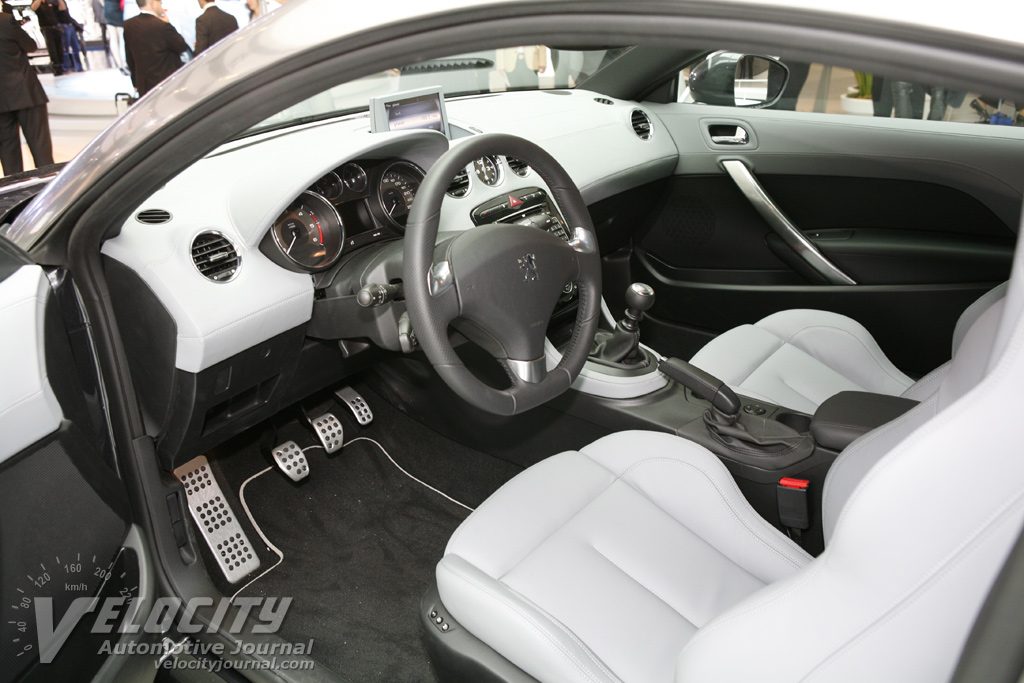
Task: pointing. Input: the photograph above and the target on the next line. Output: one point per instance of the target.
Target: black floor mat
(360, 538)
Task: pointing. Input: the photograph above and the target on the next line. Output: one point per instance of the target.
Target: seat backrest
(928, 508)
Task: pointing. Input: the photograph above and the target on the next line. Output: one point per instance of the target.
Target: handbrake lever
(705, 386)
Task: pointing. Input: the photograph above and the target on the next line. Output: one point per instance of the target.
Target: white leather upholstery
(28, 409)
(598, 565)
(799, 358)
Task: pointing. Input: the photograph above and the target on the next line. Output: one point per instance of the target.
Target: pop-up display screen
(410, 110)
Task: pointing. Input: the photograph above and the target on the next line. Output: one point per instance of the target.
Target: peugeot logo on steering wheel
(528, 264)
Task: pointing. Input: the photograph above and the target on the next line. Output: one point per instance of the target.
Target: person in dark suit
(22, 100)
(152, 46)
(46, 14)
(212, 25)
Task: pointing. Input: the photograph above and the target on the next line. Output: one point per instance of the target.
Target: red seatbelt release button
(791, 483)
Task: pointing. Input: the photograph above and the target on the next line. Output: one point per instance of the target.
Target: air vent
(459, 186)
(215, 257)
(518, 166)
(603, 100)
(153, 216)
(642, 125)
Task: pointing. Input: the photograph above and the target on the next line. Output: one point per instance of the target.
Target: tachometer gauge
(310, 232)
(329, 187)
(488, 170)
(397, 190)
(354, 178)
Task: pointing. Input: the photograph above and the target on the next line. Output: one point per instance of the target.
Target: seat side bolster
(842, 344)
(517, 629)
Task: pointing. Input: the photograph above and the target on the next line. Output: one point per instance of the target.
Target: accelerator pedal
(356, 403)
(291, 460)
(217, 522)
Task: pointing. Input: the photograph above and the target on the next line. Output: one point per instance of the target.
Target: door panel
(64, 511)
(922, 216)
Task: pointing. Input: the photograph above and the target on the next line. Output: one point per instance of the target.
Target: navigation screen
(415, 112)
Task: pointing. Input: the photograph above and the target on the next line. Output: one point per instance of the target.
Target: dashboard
(276, 216)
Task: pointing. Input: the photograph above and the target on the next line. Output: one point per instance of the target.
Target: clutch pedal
(217, 522)
(328, 428)
(291, 460)
(356, 403)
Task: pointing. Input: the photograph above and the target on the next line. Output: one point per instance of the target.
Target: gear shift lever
(623, 345)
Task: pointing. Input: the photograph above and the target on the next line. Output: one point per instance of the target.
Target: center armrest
(850, 414)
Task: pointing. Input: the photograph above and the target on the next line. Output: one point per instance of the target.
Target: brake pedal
(291, 460)
(217, 522)
(328, 428)
(356, 403)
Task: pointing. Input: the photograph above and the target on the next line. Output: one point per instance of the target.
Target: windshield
(528, 67)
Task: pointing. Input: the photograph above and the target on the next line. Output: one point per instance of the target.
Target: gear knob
(640, 297)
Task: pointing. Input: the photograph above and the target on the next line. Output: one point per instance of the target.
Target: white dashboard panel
(28, 408)
(240, 189)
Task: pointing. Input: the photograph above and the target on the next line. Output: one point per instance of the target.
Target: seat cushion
(799, 358)
(603, 547)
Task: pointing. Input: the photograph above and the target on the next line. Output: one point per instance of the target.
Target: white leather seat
(637, 558)
(800, 357)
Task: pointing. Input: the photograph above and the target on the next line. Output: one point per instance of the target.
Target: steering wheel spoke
(500, 283)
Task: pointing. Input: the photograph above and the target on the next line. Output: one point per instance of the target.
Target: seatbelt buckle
(794, 508)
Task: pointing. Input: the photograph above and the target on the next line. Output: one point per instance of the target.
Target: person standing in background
(46, 12)
(153, 47)
(213, 25)
(22, 100)
(113, 16)
(70, 30)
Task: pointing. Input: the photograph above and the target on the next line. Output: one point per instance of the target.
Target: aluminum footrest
(217, 522)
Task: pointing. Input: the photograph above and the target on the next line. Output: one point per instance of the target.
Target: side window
(832, 89)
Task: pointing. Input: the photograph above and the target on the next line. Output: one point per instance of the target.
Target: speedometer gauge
(397, 190)
(488, 170)
(310, 232)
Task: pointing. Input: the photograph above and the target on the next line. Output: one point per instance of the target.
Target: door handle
(728, 135)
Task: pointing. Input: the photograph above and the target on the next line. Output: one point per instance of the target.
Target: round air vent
(459, 186)
(641, 123)
(215, 257)
(153, 216)
(518, 166)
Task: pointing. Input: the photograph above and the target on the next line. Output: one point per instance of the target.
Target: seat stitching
(563, 524)
(721, 495)
(526, 619)
(646, 587)
(945, 565)
(937, 375)
(870, 352)
(565, 629)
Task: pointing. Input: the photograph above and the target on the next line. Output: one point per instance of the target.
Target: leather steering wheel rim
(499, 279)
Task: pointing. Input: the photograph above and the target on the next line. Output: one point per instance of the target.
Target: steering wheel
(499, 283)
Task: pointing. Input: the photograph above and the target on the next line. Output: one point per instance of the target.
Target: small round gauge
(310, 232)
(354, 177)
(488, 170)
(397, 189)
(329, 187)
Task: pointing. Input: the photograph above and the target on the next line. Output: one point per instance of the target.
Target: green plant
(864, 82)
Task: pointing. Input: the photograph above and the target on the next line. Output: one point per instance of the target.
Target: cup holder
(797, 421)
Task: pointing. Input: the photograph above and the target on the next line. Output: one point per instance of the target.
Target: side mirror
(732, 79)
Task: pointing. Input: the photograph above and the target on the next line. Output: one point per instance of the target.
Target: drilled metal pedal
(291, 460)
(328, 428)
(356, 403)
(217, 522)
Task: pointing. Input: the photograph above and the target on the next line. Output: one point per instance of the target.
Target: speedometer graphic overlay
(310, 232)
